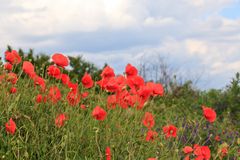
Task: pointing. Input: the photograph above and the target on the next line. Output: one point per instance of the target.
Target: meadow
(117, 117)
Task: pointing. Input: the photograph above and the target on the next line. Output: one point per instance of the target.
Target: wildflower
(28, 68)
(131, 70)
(60, 119)
(121, 81)
(187, 149)
(65, 79)
(224, 151)
(217, 138)
(13, 90)
(99, 114)
(54, 94)
(209, 114)
(8, 66)
(39, 81)
(12, 77)
(10, 126)
(122, 99)
(187, 157)
(60, 60)
(158, 89)
(13, 57)
(144, 93)
(202, 152)
(102, 83)
(112, 85)
(108, 153)
(135, 82)
(170, 131)
(151, 135)
(83, 106)
(87, 81)
(107, 72)
(84, 94)
(148, 120)
(73, 97)
(111, 101)
(73, 86)
(39, 98)
(53, 71)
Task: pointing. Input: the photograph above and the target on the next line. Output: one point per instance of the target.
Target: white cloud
(152, 21)
(190, 32)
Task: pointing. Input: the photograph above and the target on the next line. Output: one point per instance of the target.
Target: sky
(197, 38)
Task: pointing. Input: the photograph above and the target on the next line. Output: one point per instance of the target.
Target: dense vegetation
(45, 115)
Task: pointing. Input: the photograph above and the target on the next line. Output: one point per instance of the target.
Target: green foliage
(78, 65)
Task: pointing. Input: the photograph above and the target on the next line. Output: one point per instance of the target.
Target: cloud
(193, 36)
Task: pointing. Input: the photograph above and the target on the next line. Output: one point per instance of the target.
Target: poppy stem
(96, 139)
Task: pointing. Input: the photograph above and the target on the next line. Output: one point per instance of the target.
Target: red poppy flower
(131, 70)
(122, 100)
(28, 68)
(60, 60)
(224, 151)
(87, 81)
(206, 152)
(8, 66)
(60, 119)
(152, 159)
(112, 85)
(131, 100)
(13, 57)
(65, 79)
(108, 153)
(187, 149)
(99, 114)
(84, 95)
(121, 81)
(151, 135)
(144, 93)
(202, 152)
(73, 97)
(107, 72)
(54, 94)
(13, 90)
(209, 114)
(148, 120)
(170, 131)
(111, 101)
(140, 102)
(73, 86)
(217, 138)
(39, 98)
(102, 83)
(53, 71)
(39, 81)
(10, 126)
(83, 107)
(12, 77)
(135, 82)
(157, 88)
(187, 157)
(198, 151)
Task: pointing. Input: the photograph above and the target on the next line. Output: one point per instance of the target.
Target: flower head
(10, 126)
(99, 114)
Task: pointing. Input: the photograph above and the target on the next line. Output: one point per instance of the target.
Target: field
(117, 117)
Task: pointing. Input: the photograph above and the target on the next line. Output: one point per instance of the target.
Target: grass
(83, 137)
